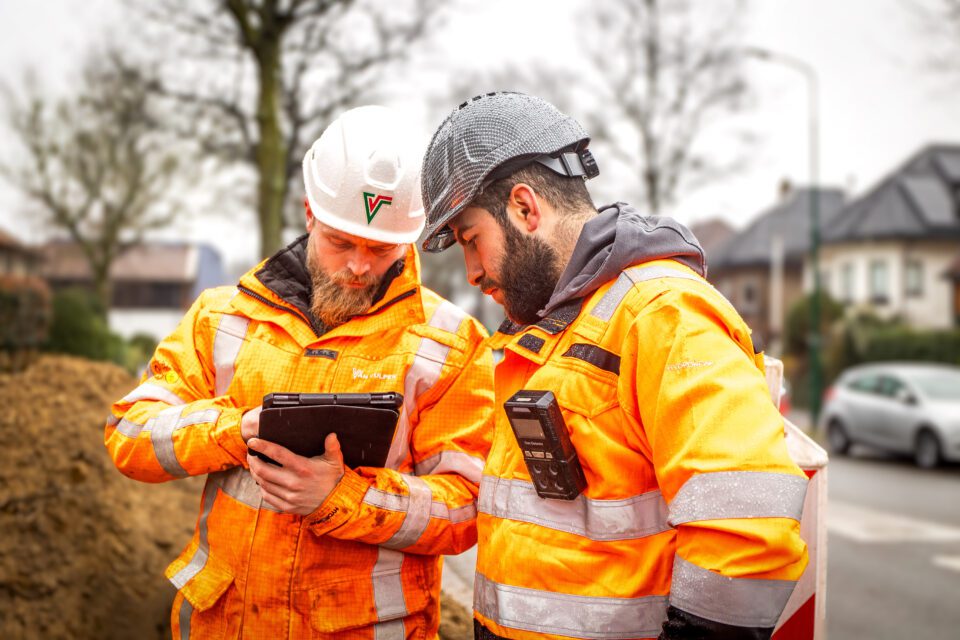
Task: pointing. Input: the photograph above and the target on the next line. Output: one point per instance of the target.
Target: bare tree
(939, 23)
(95, 162)
(256, 81)
(656, 77)
(667, 69)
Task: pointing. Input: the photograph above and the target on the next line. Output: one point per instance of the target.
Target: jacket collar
(282, 283)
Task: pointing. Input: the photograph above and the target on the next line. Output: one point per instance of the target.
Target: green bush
(140, 348)
(798, 321)
(79, 328)
(24, 319)
(905, 344)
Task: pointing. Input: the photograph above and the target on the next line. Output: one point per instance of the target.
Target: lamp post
(813, 336)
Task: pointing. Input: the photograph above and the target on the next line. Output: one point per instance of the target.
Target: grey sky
(878, 103)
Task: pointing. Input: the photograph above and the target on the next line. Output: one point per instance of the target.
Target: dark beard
(332, 302)
(529, 272)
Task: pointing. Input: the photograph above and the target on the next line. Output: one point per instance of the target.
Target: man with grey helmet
(677, 515)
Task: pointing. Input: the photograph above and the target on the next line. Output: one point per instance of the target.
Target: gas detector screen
(527, 428)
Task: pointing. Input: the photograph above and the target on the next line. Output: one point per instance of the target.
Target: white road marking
(869, 525)
(951, 563)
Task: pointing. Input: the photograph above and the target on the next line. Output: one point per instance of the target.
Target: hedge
(25, 317)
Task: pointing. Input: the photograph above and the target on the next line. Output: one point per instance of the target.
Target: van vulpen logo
(372, 203)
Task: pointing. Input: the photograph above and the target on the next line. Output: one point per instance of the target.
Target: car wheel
(837, 437)
(927, 452)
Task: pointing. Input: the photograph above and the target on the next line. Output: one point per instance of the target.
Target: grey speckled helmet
(489, 137)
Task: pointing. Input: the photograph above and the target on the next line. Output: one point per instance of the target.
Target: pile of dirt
(83, 548)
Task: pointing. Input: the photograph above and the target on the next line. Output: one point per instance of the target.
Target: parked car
(904, 407)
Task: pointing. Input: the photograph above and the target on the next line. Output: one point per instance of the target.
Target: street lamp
(813, 335)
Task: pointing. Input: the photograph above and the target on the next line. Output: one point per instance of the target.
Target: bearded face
(527, 279)
(339, 295)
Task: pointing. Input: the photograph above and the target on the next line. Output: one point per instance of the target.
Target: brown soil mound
(82, 548)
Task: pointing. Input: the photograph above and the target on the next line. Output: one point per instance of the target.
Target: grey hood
(617, 238)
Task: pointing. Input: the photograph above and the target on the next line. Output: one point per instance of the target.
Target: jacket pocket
(385, 594)
(207, 586)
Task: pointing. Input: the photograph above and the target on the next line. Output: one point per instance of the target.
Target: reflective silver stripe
(455, 516)
(112, 420)
(200, 555)
(198, 417)
(226, 346)
(386, 500)
(612, 298)
(238, 484)
(387, 587)
(448, 317)
(640, 274)
(393, 502)
(745, 602)
(738, 494)
(568, 615)
(161, 430)
(392, 630)
(423, 373)
(129, 429)
(635, 517)
(470, 467)
(186, 610)
(629, 277)
(417, 514)
(150, 391)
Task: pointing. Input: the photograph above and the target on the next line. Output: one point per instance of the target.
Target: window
(866, 384)
(749, 299)
(879, 282)
(913, 278)
(846, 282)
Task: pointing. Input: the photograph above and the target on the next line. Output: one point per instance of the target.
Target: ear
(524, 207)
(309, 214)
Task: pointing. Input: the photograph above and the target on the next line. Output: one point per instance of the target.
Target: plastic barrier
(804, 616)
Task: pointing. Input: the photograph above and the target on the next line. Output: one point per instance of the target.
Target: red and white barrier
(804, 617)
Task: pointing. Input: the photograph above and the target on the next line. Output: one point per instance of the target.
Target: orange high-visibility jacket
(691, 498)
(366, 563)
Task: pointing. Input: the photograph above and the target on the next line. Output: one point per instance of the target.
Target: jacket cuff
(228, 434)
(340, 505)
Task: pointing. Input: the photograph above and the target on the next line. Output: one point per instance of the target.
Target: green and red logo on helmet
(372, 203)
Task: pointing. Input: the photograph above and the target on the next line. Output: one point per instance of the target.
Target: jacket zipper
(271, 303)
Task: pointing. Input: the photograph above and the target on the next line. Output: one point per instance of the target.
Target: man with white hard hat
(314, 548)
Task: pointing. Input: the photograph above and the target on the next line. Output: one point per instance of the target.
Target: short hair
(566, 194)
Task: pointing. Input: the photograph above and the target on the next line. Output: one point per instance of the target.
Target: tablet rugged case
(364, 423)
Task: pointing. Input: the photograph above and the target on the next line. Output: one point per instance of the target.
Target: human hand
(250, 424)
(301, 484)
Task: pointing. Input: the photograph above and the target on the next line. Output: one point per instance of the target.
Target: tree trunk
(271, 150)
(102, 287)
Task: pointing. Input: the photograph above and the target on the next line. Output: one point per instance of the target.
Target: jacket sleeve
(432, 509)
(716, 440)
(174, 424)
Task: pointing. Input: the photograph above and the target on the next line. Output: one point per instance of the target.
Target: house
(953, 275)
(894, 250)
(760, 269)
(712, 234)
(17, 259)
(153, 283)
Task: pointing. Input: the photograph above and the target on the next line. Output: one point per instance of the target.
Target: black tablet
(364, 424)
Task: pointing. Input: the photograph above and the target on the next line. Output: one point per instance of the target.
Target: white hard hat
(362, 176)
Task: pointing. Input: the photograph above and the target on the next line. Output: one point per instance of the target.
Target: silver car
(904, 407)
